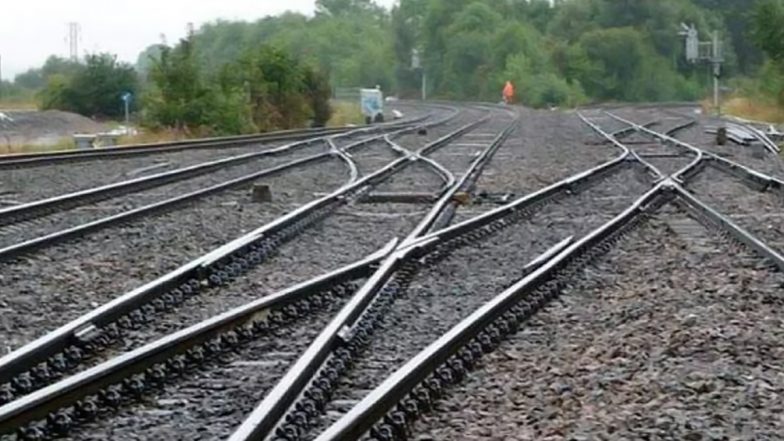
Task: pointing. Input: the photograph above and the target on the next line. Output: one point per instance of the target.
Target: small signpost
(127, 98)
(705, 51)
(372, 101)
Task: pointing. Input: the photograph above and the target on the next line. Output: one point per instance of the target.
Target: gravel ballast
(28, 184)
(439, 298)
(546, 147)
(57, 284)
(672, 335)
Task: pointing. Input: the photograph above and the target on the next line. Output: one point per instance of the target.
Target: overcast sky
(31, 30)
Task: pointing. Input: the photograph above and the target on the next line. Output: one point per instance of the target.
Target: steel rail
(351, 190)
(63, 156)
(18, 249)
(445, 175)
(395, 388)
(467, 184)
(751, 177)
(769, 145)
(632, 155)
(48, 158)
(622, 133)
(268, 414)
(567, 185)
(381, 400)
(42, 207)
(21, 248)
(658, 175)
(431, 220)
(341, 153)
(68, 391)
(760, 180)
(196, 272)
(704, 211)
(666, 139)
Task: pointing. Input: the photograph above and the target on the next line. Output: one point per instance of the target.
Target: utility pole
(717, 59)
(424, 85)
(416, 64)
(74, 30)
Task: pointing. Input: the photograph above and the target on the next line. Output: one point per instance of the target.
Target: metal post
(424, 85)
(127, 114)
(716, 72)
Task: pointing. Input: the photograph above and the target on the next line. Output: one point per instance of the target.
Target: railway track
(755, 156)
(417, 385)
(319, 370)
(194, 150)
(543, 152)
(386, 171)
(331, 177)
(465, 302)
(625, 352)
(235, 166)
(206, 147)
(23, 236)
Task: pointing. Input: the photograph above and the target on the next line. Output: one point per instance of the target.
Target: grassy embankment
(750, 109)
(754, 110)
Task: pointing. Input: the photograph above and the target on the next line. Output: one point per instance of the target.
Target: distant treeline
(277, 72)
(563, 52)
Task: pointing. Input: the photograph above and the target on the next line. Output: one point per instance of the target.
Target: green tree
(317, 93)
(768, 31)
(768, 28)
(178, 96)
(346, 7)
(36, 79)
(95, 89)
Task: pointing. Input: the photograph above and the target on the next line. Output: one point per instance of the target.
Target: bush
(95, 89)
(539, 86)
(265, 90)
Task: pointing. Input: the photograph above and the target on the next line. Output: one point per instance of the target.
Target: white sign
(372, 102)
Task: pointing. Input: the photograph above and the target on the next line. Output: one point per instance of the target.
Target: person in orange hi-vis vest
(509, 93)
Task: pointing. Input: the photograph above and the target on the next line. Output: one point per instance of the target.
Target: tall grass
(752, 109)
(17, 104)
(15, 149)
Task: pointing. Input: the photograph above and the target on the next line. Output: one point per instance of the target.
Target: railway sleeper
(216, 274)
(316, 395)
(396, 424)
(102, 338)
(188, 360)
